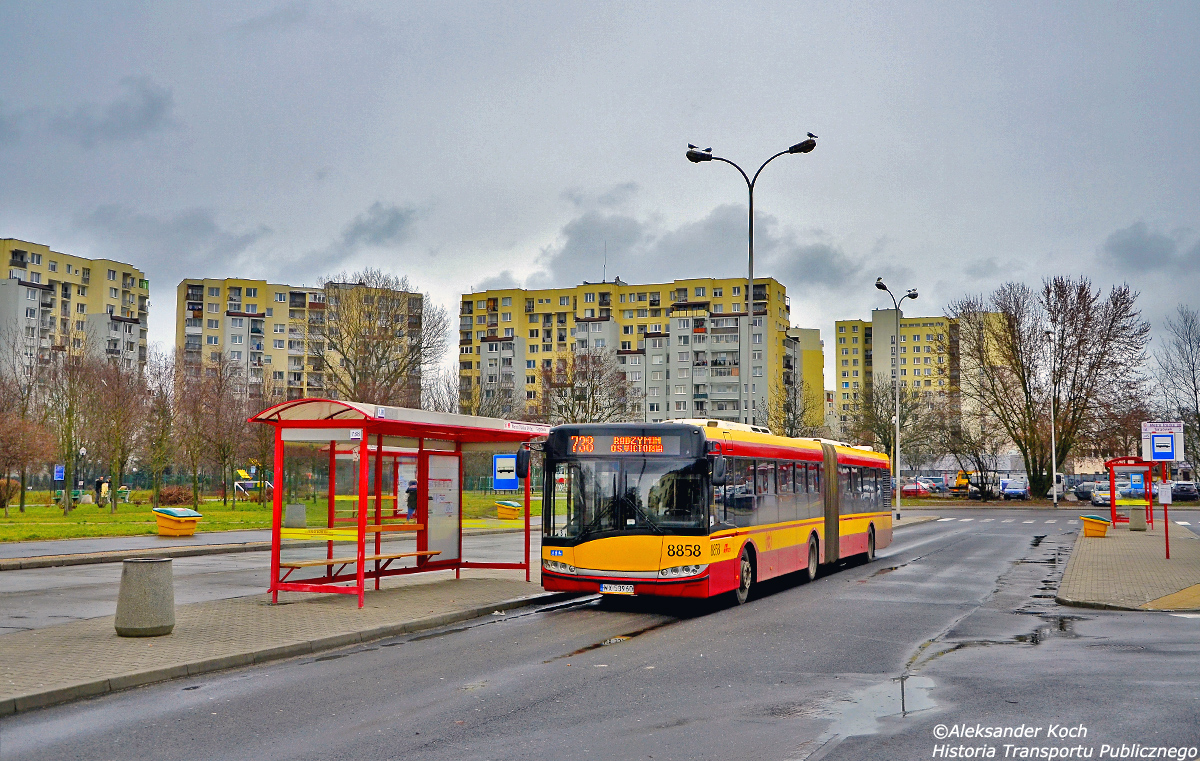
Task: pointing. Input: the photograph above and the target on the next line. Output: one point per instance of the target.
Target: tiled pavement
(1128, 570)
(83, 658)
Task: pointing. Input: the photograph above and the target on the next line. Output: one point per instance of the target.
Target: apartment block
(272, 333)
(922, 357)
(61, 301)
(679, 343)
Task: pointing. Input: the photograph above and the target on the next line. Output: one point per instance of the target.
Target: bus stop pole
(276, 513)
(528, 478)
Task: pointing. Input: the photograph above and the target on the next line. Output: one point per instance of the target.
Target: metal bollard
(146, 602)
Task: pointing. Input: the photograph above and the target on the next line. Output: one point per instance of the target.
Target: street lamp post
(696, 156)
(912, 294)
(1053, 443)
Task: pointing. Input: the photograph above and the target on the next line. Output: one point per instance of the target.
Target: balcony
(466, 307)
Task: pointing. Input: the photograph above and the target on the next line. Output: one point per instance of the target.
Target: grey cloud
(714, 246)
(619, 194)
(504, 280)
(983, 268)
(282, 17)
(9, 130)
(191, 237)
(379, 226)
(1137, 248)
(144, 108)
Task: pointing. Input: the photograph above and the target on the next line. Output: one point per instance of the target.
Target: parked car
(1016, 488)
(914, 489)
(1101, 496)
(935, 484)
(1083, 490)
(1184, 491)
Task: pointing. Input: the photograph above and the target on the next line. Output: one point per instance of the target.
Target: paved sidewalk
(113, 549)
(84, 658)
(1127, 570)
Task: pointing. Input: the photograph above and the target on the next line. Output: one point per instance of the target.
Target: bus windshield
(659, 495)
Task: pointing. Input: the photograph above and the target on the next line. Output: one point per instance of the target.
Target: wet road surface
(804, 671)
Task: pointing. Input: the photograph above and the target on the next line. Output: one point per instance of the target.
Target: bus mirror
(523, 463)
(718, 471)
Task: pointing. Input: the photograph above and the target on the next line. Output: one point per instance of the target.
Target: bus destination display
(665, 445)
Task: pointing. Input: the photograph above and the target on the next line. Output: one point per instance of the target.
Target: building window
(212, 340)
(214, 325)
(589, 298)
(278, 343)
(506, 316)
(700, 292)
(506, 301)
(564, 301)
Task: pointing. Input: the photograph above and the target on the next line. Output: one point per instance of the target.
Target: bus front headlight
(680, 571)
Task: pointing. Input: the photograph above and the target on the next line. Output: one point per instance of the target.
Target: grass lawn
(45, 521)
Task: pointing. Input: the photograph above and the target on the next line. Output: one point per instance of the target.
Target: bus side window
(787, 496)
(739, 502)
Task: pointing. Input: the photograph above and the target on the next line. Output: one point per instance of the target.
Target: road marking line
(1053, 520)
(965, 520)
(1184, 523)
(1027, 521)
(943, 520)
(1186, 615)
(1072, 521)
(987, 520)
(1008, 520)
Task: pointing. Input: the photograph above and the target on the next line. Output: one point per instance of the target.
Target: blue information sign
(60, 472)
(504, 472)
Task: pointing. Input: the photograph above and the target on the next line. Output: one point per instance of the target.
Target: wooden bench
(348, 561)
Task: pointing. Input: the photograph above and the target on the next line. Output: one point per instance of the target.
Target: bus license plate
(616, 589)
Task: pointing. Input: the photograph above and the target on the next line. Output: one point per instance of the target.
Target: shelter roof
(400, 421)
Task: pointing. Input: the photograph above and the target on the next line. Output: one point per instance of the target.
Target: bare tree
(22, 378)
(115, 413)
(23, 445)
(1179, 374)
(873, 418)
(973, 437)
(589, 387)
(1007, 366)
(378, 335)
(69, 381)
(157, 437)
(796, 410)
(224, 391)
(440, 390)
(191, 420)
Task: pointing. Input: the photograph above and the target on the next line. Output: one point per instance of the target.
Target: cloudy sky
(470, 145)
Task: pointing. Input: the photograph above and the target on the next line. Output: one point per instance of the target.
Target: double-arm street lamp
(912, 294)
(696, 156)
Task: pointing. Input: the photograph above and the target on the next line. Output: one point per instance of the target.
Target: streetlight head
(879, 284)
(912, 294)
(695, 155)
(805, 147)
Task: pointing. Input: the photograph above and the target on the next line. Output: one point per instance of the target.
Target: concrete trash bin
(1137, 519)
(146, 602)
(294, 517)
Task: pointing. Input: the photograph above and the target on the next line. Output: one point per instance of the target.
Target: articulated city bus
(698, 508)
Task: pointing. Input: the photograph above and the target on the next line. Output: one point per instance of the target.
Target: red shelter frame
(1132, 465)
(360, 430)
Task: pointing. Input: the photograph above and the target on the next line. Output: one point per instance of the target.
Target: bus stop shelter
(379, 460)
(1128, 467)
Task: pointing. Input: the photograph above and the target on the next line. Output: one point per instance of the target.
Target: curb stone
(92, 688)
(116, 556)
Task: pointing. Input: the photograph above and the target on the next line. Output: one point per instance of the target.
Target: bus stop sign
(504, 472)
(1162, 442)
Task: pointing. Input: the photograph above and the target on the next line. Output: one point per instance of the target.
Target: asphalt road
(804, 671)
(37, 597)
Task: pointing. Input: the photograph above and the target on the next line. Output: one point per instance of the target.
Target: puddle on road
(859, 713)
(618, 639)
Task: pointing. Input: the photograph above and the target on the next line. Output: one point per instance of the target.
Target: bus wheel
(746, 576)
(814, 558)
(870, 544)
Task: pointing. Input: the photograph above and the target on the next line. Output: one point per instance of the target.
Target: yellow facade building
(259, 327)
(679, 343)
(922, 358)
(58, 301)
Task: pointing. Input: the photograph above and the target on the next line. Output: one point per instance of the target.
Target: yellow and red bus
(698, 508)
